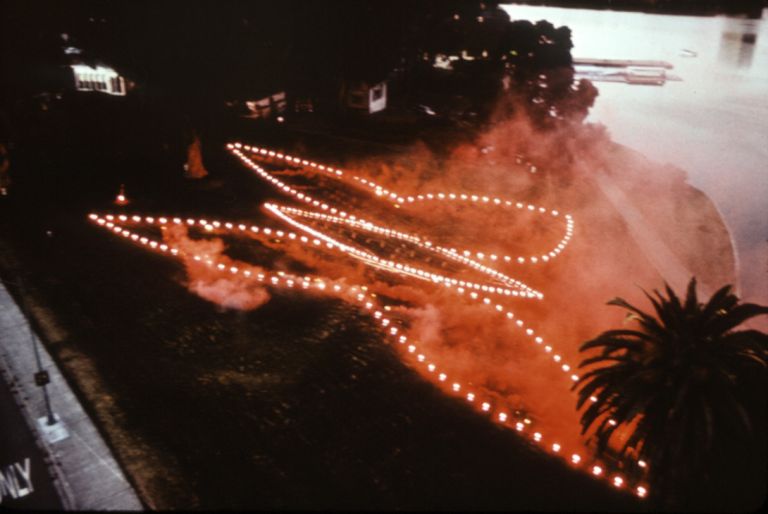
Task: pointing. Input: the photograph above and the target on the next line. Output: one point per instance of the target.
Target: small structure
(364, 97)
(268, 106)
(652, 76)
(629, 71)
(102, 79)
(303, 104)
(194, 167)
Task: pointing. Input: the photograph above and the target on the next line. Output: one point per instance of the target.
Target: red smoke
(231, 292)
(470, 342)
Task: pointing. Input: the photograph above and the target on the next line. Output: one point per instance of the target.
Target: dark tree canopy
(688, 388)
(187, 59)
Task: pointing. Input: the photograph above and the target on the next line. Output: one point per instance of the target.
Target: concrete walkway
(85, 472)
(668, 265)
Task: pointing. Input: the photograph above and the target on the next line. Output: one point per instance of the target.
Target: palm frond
(735, 317)
(649, 323)
(722, 300)
(677, 378)
(619, 337)
(691, 299)
(605, 358)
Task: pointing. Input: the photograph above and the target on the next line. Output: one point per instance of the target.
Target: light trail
(493, 291)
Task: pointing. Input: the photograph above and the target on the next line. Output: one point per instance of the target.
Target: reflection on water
(713, 123)
(738, 42)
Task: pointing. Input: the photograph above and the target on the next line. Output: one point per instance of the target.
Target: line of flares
(486, 294)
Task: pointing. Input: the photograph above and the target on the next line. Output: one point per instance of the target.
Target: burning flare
(121, 199)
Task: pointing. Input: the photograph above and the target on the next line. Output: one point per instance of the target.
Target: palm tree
(686, 389)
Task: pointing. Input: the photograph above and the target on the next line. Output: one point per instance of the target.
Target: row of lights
(302, 197)
(518, 288)
(320, 239)
(426, 244)
(460, 285)
(368, 302)
(398, 199)
(544, 257)
(286, 213)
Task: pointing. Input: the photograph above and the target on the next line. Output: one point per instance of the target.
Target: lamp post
(41, 376)
(42, 379)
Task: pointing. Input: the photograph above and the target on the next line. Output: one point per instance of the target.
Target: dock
(622, 63)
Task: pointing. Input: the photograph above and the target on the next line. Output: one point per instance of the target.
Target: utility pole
(42, 379)
(41, 376)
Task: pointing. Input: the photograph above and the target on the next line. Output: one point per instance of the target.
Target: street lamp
(42, 379)
(41, 376)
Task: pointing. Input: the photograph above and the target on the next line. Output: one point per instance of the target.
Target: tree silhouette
(687, 389)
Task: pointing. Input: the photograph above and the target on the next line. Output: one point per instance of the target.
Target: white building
(361, 96)
(101, 78)
(268, 106)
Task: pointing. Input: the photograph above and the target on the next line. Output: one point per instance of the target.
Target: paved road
(25, 482)
(90, 478)
(668, 265)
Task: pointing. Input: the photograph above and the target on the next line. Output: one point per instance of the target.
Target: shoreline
(712, 228)
(751, 9)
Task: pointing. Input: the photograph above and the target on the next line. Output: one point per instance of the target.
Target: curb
(86, 474)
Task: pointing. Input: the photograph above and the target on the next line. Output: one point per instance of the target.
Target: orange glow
(121, 198)
(307, 224)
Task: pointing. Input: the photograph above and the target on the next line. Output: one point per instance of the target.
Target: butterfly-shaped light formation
(493, 289)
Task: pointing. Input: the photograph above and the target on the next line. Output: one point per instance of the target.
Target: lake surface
(713, 123)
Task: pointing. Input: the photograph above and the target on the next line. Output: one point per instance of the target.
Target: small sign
(42, 378)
